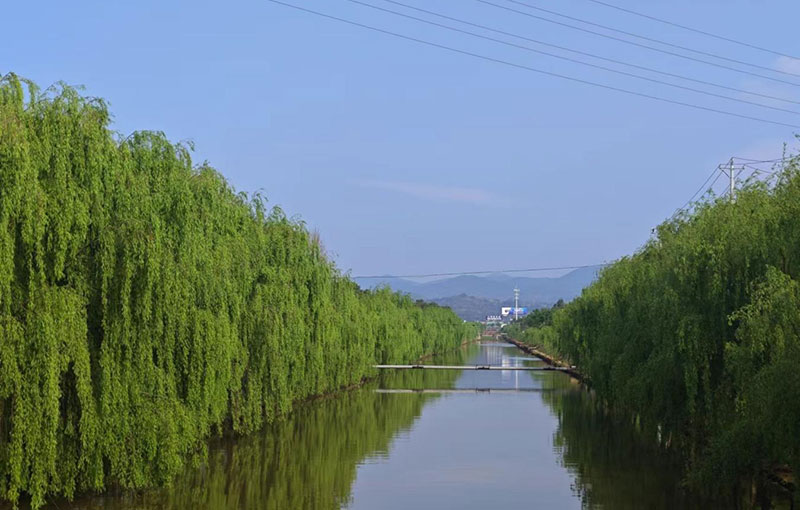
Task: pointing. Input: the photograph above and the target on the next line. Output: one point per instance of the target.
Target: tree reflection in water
(614, 465)
(305, 461)
(310, 459)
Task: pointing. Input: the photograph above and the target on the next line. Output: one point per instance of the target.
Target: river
(539, 440)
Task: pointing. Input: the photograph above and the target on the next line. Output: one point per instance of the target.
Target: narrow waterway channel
(538, 441)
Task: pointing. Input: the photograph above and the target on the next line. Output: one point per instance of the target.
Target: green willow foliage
(145, 305)
(698, 333)
(307, 460)
(536, 329)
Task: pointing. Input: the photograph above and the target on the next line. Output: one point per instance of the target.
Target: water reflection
(474, 449)
(613, 464)
(428, 439)
(307, 461)
(538, 440)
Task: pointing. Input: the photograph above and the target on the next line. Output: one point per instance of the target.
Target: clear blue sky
(409, 158)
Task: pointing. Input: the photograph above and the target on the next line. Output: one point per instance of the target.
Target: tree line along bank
(145, 305)
(697, 335)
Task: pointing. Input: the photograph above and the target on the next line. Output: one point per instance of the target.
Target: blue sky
(409, 158)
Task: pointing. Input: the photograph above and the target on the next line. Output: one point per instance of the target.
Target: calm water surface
(546, 444)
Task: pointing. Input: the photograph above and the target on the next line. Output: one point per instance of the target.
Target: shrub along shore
(697, 335)
(145, 305)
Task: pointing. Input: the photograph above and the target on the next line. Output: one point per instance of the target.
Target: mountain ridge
(472, 295)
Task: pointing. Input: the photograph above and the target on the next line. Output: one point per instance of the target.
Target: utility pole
(732, 179)
(516, 303)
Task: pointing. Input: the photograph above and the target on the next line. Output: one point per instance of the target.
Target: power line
(698, 31)
(718, 171)
(711, 187)
(467, 273)
(651, 39)
(700, 189)
(593, 55)
(568, 59)
(762, 160)
(534, 69)
(633, 43)
(759, 170)
(721, 170)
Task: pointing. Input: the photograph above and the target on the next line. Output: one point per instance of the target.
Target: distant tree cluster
(145, 305)
(536, 328)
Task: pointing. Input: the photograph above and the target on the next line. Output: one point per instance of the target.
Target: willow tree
(698, 333)
(144, 304)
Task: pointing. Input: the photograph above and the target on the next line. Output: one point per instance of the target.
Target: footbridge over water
(472, 367)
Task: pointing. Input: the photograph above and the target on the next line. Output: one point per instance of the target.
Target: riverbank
(550, 360)
(542, 438)
(367, 379)
(780, 479)
(697, 333)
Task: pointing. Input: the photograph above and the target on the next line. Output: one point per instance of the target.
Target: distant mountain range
(471, 308)
(475, 297)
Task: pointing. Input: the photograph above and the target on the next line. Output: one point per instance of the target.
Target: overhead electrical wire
(704, 188)
(640, 45)
(533, 69)
(568, 59)
(695, 30)
(593, 55)
(711, 187)
(777, 160)
(467, 273)
(717, 171)
(699, 190)
(753, 164)
(651, 39)
(759, 170)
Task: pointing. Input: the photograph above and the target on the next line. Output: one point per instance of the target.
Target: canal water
(433, 439)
